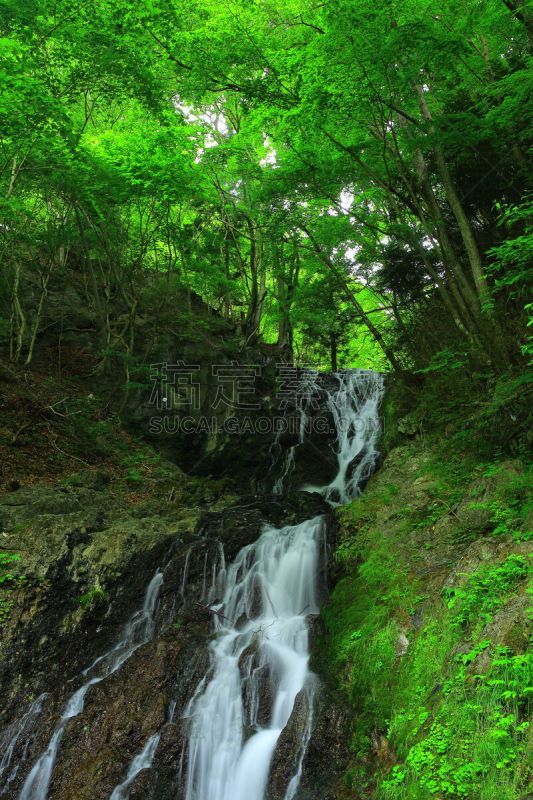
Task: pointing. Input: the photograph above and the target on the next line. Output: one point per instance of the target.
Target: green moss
(9, 579)
(411, 659)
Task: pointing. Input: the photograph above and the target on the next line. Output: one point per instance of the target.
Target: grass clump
(9, 579)
(94, 596)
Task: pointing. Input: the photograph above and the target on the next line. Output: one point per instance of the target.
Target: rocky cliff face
(89, 545)
(87, 562)
(80, 547)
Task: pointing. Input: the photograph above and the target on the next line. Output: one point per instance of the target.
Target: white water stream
(270, 589)
(20, 729)
(354, 406)
(138, 631)
(141, 761)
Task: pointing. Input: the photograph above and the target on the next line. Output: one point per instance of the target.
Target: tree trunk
(389, 353)
(45, 277)
(287, 279)
(456, 206)
(18, 319)
(333, 351)
(257, 284)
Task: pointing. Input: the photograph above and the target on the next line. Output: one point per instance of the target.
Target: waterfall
(260, 647)
(354, 405)
(270, 589)
(261, 604)
(138, 631)
(20, 729)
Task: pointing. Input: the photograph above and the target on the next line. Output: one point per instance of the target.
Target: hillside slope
(426, 636)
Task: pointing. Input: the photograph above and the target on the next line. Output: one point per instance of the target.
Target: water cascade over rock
(137, 632)
(222, 735)
(270, 590)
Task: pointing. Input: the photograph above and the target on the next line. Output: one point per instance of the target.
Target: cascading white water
(141, 761)
(21, 728)
(270, 589)
(261, 628)
(354, 405)
(138, 631)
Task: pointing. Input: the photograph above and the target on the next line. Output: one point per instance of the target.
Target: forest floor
(51, 426)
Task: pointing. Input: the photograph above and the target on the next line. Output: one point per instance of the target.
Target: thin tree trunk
(463, 291)
(18, 319)
(456, 206)
(389, 353)
(286, 282)
(443, 291)
(257, 285)
(39, 313)
(333, 352)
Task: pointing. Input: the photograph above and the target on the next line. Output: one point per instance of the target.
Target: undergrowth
(427, 644)
(9, 578)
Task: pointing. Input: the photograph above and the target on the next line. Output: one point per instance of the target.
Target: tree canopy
(344, 180)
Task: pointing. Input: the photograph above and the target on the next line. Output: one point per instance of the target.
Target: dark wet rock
(166, 779)
(140, 787)
(288, 749)
(327, 751)
(120, 714)
(255, 673)
(315, 464)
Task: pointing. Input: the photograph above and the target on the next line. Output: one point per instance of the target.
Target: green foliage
(452, 704)
(267, 158)
(512, 259)
(143, 463)
(486, 589)
(445, 361)
(476, 737)
(94, 596)
(9, 579)
(7, 559)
